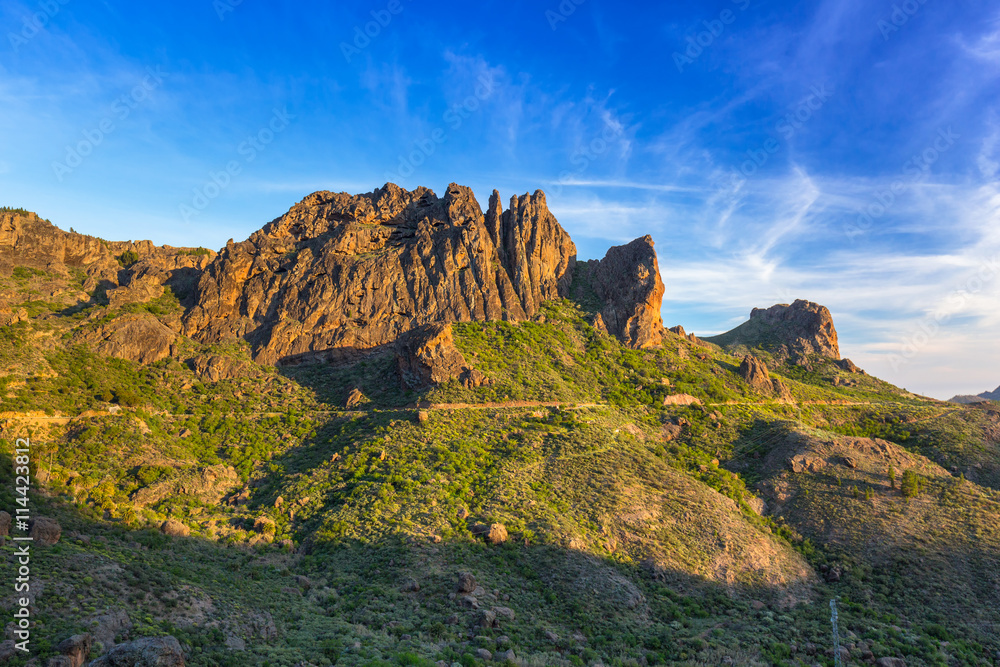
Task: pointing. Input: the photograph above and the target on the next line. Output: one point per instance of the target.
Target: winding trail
(40, 418)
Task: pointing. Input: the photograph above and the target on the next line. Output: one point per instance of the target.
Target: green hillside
(309, 533)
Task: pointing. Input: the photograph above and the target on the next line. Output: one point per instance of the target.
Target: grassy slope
(624, 545)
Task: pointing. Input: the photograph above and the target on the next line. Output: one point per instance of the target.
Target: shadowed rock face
(788, 331)
(156, 269)
(341, 273)
(628, 281)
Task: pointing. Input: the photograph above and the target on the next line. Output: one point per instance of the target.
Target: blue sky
(843, 151)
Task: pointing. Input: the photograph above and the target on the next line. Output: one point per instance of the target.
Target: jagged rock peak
(341, 273)
(755, 372)
(787, 331)
(628, 281)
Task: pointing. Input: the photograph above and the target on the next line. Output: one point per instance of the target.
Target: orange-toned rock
(340, 274)
(628, 281)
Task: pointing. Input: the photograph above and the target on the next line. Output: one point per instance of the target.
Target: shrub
(128, 258)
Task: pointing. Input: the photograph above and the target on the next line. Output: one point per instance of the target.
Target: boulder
(504, 613)
(507, 656)
(755, 372)
(44, 531)
(848, 365)
(137, 337)
(174, 528)
(804, 463)
(75, 649)
(427, 357)
(147, 652)
(354, 399)
(628, 281)
(496, 534)
(107, 627)
(10, 317)
(670, 432)
(487, 619)
(466, 582)
(208, 485)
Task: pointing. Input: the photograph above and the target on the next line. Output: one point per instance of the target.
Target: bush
(127, 398)
(128, 258)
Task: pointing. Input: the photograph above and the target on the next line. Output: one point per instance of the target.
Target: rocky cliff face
(628, 281)
(794, 331)
(338, 273)
(158, 267)
(28, 240)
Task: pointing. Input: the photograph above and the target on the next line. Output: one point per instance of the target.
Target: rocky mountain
(788, 332)
(512, 462)
(967, 399)
(340, 274)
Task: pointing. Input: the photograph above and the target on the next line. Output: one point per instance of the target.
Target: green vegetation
(196, 252)
(128, 258)
(911, 484)
(635, 527)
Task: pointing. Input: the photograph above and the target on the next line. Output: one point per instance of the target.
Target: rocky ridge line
(340, 274)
